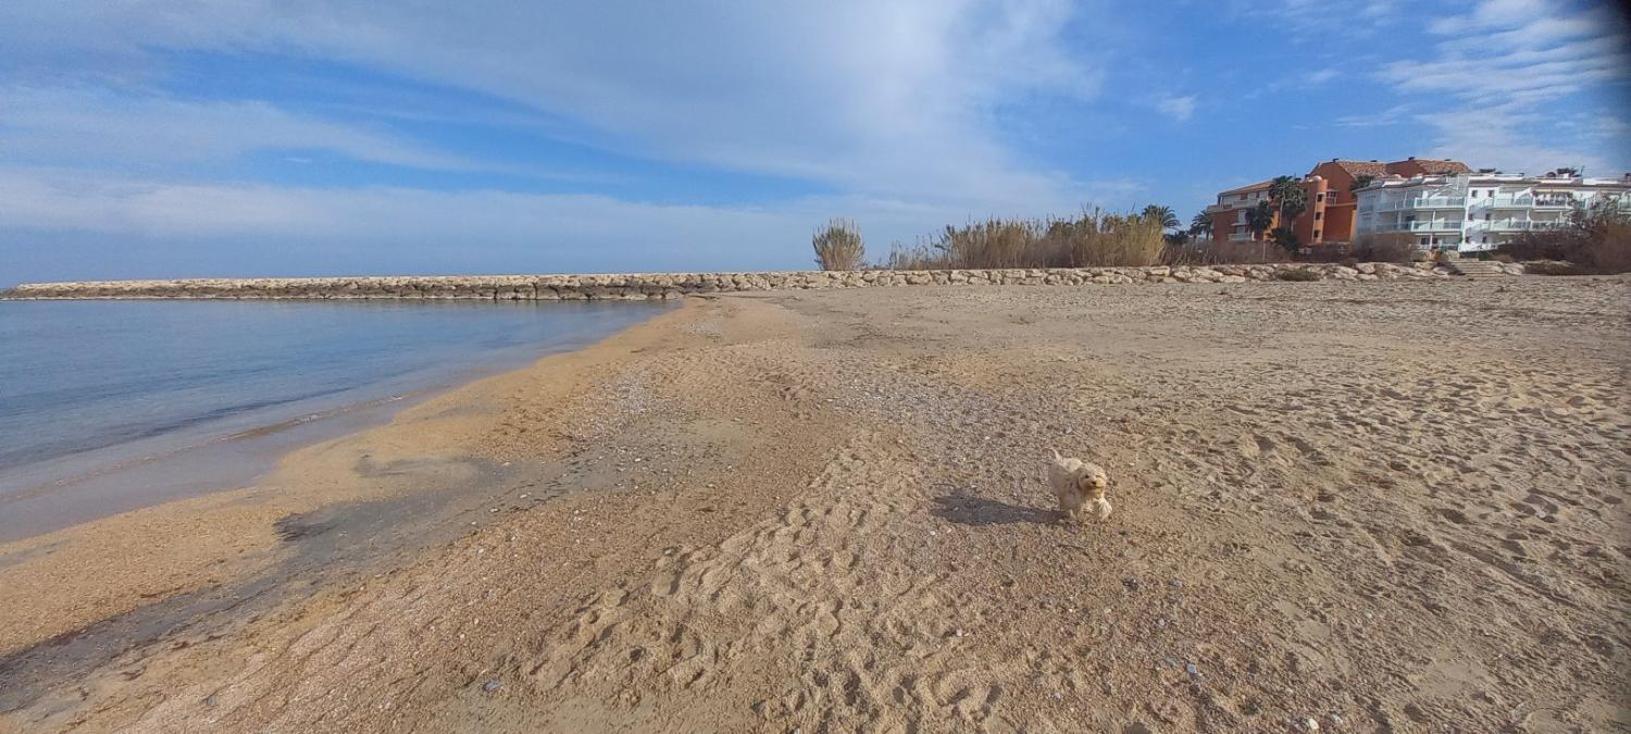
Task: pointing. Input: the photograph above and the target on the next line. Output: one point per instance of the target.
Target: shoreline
(802, 509)
(232, 452)
(247, 522)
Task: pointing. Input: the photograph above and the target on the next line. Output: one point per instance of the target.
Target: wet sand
(1372, 506)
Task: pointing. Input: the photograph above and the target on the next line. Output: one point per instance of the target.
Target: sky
(197, 138)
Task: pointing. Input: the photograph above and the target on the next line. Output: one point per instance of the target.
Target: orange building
(1329, 216)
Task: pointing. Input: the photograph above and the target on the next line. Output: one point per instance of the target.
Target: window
(1316, 234)
(1318, 214)
(1241, 197)
(1471, 216)
(1475, 193)
(1486, 216)
(1319, 197)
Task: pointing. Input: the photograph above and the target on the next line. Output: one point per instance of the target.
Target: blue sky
(178, 138)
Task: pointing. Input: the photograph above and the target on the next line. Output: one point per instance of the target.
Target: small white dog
(1078, 483)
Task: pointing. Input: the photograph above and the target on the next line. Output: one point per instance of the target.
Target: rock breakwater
(653, 286)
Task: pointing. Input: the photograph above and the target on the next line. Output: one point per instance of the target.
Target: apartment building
(1331, 214)
(1476, 212)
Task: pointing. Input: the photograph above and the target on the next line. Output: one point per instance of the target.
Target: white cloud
(399, 229)
(1320, 76)
(884, 98)
(1503, 69)
(95, 125)
(1179, 108)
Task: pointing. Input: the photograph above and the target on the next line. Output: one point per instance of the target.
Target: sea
(109, 406)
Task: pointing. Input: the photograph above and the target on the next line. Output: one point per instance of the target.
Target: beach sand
(1370, 507)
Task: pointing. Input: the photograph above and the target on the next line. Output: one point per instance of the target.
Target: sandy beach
(1339, 506)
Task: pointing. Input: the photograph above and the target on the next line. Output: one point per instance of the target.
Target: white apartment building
(1476, 212)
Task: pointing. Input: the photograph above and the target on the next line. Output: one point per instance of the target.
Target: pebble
(1309, 723)
(491, 685)
(1191, 669)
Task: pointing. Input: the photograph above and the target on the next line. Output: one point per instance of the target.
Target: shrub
(1387, 247)
(839, 246)
(917, 257)
(1598, 240)
(1286, 239)
(1094, 239)
(1300, 275)
(994, 243)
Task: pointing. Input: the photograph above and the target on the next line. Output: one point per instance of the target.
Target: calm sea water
(90, 390)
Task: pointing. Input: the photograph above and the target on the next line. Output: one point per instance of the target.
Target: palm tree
(1260, 218)
(1162, 214)
(1289, 197)
(1201, 225)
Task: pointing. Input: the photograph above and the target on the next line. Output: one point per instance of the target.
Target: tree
(1161, 214)
(1361, 181)
(1201, 225)
(1260, 218)
(1176, 239)
(1286, 239)
(1289, 197)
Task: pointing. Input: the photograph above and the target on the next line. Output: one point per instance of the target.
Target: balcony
(1442, 225)
(1427, 202)
(1521, 225)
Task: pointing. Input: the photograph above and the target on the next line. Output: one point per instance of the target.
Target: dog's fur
(1078, 484)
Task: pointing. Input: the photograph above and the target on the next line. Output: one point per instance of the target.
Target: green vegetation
(1286, 239)
(1259, 218)
(1200, 227)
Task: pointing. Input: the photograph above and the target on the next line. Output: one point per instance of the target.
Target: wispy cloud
(886, 98)
(1505, 63)
(402, 229)
(1179, 108)
(98, 125)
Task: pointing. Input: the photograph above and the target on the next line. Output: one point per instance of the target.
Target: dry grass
(1388, 247)
(838, 246)
(1220, 252)
(1094, 239)
(1599, 241)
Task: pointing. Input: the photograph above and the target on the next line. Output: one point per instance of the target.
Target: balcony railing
(1427, 202)
(1428, 226)
(1519, 225)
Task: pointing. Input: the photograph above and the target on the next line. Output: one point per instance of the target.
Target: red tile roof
(1362, 168)
(1436, 167)
(1259, 186)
